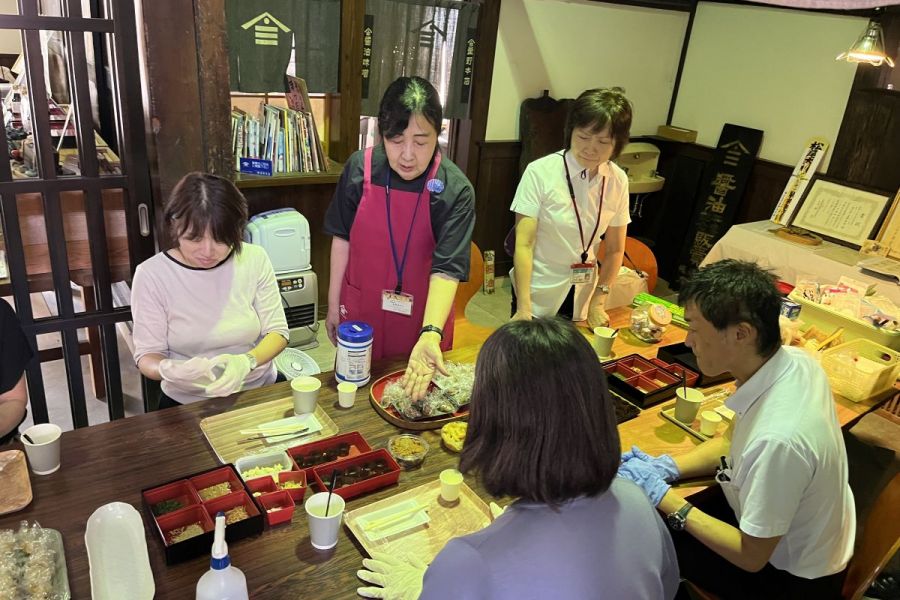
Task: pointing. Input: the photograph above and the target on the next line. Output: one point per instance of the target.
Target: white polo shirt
(788, 466)
(544, 195)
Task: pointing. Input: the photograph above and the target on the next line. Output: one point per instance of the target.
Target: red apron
(371, 268)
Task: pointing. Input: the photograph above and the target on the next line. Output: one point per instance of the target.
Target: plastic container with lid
(649, 322)
(354, 353)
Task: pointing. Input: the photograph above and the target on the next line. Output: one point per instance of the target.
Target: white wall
(767, 68)
(569, 46)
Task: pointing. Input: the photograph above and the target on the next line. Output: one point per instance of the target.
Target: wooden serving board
(447, 521)
(714, 402)
(395, 418)
(15, 493)
(223, 431)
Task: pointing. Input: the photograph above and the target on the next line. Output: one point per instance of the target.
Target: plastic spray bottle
(222, 581)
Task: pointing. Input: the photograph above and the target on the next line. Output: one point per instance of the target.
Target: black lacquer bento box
(681, 355)
(182, 512)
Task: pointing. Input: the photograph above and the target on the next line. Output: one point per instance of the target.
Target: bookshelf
(245, 181)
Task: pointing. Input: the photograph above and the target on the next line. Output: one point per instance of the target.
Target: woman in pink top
(208, 318)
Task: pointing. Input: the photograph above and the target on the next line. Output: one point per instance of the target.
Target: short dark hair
(731, 291)
(202, 201)
(597, 108)
(404, 97)
(542, 424)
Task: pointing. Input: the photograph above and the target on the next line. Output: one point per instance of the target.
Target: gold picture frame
(843, 213)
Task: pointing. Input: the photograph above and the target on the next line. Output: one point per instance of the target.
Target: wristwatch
(603, 288)
(252, 360)
(433, 328)
(677, 520)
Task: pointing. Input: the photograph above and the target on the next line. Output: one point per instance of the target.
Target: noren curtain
(434, 39)
(262, 33)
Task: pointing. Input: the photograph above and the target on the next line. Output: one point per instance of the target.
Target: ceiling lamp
(869, 48)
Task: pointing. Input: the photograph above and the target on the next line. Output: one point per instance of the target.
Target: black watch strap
(433, 328)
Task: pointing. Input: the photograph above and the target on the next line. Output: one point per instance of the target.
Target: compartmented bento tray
(422, 537)
(641, 381)
(684, 356)
(223, 431)
(183, 511)
(360, 474)
(325, 452)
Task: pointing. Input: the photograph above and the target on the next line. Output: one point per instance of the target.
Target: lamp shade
(869, 48)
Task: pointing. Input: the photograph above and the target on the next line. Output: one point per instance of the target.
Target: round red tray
(395, 418)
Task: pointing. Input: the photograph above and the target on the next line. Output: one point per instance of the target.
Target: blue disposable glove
(662, 464)
(646, 477)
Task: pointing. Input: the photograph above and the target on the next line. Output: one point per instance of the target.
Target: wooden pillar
(186, 64)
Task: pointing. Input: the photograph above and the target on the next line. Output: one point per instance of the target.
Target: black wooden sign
(720, 196)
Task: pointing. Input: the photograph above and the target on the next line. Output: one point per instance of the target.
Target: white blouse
(543, 194)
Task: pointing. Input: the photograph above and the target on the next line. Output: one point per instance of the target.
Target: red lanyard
(584, 247)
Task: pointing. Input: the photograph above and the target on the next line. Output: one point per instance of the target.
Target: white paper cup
(687, 403)
(323, 531)
(346, 394)
(305, 390)
(603, 341)
(709, 422)
(451, 481)
(43, 454)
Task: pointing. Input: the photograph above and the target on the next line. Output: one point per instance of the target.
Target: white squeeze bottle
(222, 581)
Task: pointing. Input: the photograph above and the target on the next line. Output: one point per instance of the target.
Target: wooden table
(114, 461)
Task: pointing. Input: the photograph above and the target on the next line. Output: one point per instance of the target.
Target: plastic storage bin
(826, 319)
(860, 369)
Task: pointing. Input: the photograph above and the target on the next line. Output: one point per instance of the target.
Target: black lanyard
(584, 247)
(400, 265)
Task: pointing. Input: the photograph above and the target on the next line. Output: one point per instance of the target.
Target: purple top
(609, 546)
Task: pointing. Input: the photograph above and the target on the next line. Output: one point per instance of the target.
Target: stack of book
(286, 137)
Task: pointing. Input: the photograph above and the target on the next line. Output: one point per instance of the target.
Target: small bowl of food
(454, 435)
(408, 450)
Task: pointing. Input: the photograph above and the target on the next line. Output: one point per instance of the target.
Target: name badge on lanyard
(583, 272)
(396, 302)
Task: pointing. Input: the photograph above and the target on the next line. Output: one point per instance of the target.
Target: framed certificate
(843, 213)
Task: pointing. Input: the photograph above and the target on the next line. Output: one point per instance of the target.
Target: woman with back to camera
(565, 203)
(401, 220)
(208, 317)
(543, 429)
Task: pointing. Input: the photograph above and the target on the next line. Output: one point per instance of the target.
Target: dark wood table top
(114, 461)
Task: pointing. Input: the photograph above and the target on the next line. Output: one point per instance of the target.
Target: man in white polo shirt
(790, 528)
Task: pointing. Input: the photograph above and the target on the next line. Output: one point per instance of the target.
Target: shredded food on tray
(214, 491)
(179, 534)
(238, 513)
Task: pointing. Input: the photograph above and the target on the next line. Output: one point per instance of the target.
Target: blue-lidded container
(354, 352)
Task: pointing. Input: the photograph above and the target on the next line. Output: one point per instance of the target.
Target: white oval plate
(117, 554)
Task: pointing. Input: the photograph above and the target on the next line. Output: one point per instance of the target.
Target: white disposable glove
(398, 579)
(194, 370)
(236, 368)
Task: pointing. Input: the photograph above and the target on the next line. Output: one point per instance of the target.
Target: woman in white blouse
(565, 203)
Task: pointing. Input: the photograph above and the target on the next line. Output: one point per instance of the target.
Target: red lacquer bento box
(359, 475)
(327, 451)
(641, 381)
(183, 511)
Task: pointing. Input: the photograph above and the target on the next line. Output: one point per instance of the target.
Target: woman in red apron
(402, 219)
